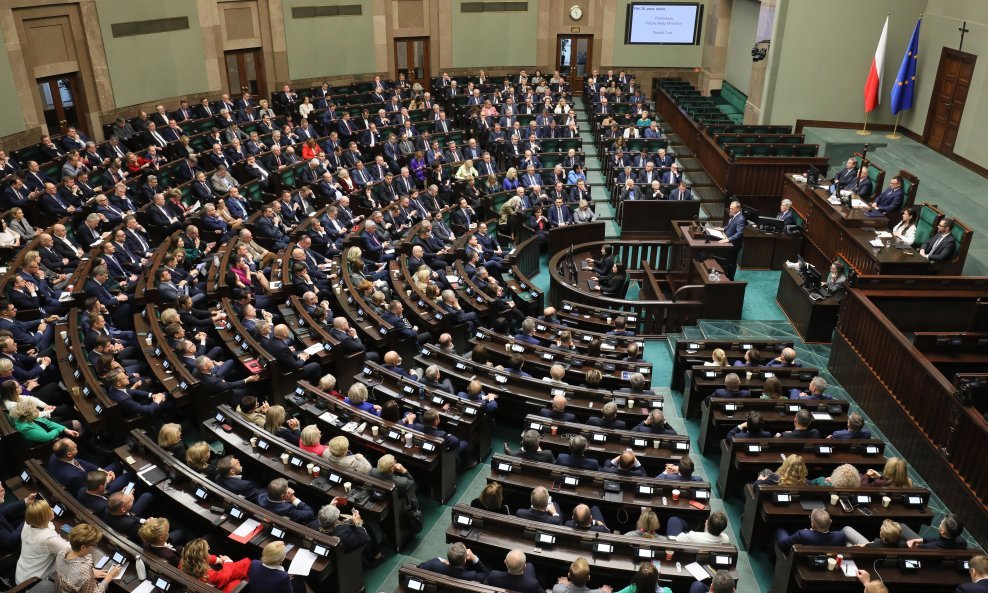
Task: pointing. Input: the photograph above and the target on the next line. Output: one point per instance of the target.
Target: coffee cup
(834, 499)
(831, 563)
(748, 375)
(347, 486)
(631, 403)
(284, 457)
(308, 468)
(315, 470)
(63, 334)
(375, 430)
(253, 441)
(554, 430)
(886, 501)
(147, 340)
(408, 439)
(336, 289)
(669, 555)
(655, 444)
(675, 494)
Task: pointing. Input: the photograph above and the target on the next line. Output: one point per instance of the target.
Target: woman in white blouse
(305, 108)
(8, 238)
(906, 230)
(40, 542)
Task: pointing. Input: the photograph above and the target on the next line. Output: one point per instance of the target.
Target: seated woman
(268, 575)
(309, 440)
(154, 537)
(894, 475)
(648, 526)
(792, 472)
(357, 397)
(200, 458)
(219, 571)
(40, 543)
(275, 423)
(843, 476)
(170, 439)
(328, 385)
(74, 572)
(34, 429)
(752, 358)
(772, 389)
(338, 452)
(646, 580)
(390, 470)
(905, 231)
(11, 393)
(491, 499)
(717, 359)
(889, 536)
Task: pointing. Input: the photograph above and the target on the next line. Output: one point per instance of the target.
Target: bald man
(558, 411)
(518, 575)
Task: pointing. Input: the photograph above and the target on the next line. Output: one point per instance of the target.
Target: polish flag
(873, 86)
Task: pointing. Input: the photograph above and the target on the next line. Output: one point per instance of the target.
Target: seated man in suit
(862, 186)
(215, 383)
(542, 509)
(889, 202)
(786, 358)
(229, 475)
(120, 516)
(460, 563)
(855, 429)
(134, 402)
(712, 534)
(531, 448)
(947, 538)
(395, 315)
(526, 335)
(519, 575)
(94, 495)
(608, 418)
(587, 518)
(558, 411)
(559, 214)
(12, 521)
(819, 533)
(71, 471)
(750, 428)
(654, 423)
(575, 457)
(785, 212)
(625, 464)
(683, 471)
(637, 385)
(281, 500)
(846, 176)
(801, 427)
(282, 347)
(815, 391)
(942, 245)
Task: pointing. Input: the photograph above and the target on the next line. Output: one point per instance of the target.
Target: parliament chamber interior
(449, 296)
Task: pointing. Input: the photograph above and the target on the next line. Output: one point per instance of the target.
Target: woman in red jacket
(219, 571)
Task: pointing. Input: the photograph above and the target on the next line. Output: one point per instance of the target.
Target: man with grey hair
(451, 306)
(350, 530)
(281, 500)
(433, 378)
(815, 390)
(785, 212)
(222, 181)
(518, 576)
(460, 563)
(214, 383)
(819, 533)
(733, 234)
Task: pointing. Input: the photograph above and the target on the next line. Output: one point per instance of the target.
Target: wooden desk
(833, 231)
(763, 516)
(777, 416)
(491, 535)
(742, 459)
(939, 571)
(768, 251)
(648, 219)
(702, 381)
(814, 320)
(692, 353)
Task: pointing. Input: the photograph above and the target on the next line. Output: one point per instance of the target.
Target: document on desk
(247, 530)
(302, 562)
(850, 568)
(715, 233)
(314, 349)
(144, 587)
(856, 203)
(884, 235)
(876, 243)
(697, 571)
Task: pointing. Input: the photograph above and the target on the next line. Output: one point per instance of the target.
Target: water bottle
(142, 572)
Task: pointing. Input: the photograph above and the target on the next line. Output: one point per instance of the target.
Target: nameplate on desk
(335, 478)
(587, 338)
(541, 328)
(657, 403)
(645, 490)
(535, 426)
(408, 389)
(645, 370)
(681, 446)
(825, 450)
(470, 410)
(296, 462)
(746, 346)
(720, 560)
(571, 481)
(428, 447)
(792, 408)
(567, 307)
(461, 365)
(640, 442)
(822, 416)
(547, 356)
(782, 498)
(701, 495)
(646, 553)
(871, 450)
(504, 467)
(394, 435)
(277, 532)
(319, 550)
(517, 348)
(731, 407)
(463, 520)
(263, 445)
(602, 548)
(709, 374)
(98, 409)
(501, 378)
(415, 585)
(545, 539)
(862, 499)
(200, 493)
(437, 400)
(599, 437)
(235, 513)
(754, 449)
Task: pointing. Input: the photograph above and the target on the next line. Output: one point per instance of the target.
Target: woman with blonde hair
(792, 472)
(74, 572)
(219, 571)
(20, 225)
(843, 476)
(269, 570)
(338, 452)
(491, 499)
(170, 439)
(199, 457)
(357, 397)
(508, 210)
(309, 440)
(510, 182)
(718, 359)
(275, 423)
(154, 535)
(895, 475)
(34, 429)
(648, 526)
(40, 543)
(328, 385)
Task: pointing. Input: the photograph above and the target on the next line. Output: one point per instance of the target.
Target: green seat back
(924, 226)
(958, 233)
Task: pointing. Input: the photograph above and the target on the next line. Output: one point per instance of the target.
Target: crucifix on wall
(963, 29)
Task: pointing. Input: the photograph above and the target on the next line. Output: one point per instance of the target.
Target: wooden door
(245, 72)
(62, 103)
(949, 96)
(412, 60)
(574, 59)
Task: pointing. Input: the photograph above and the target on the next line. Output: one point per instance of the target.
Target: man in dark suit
(215, 384)
(948, 536)
(801, 427)
(654, 423)
(682, 192)
(734, 234)
(65, 466)
(12, 521)
(400, 324)
(818, 534)
(134, 402)
(855, 429)
(731, 388)
(519, 576)
(862, 186)
(119, 517)
(559, 214)
(531, 448)
(575, 457)
(978, 569)
(94, 495)
(542, 508)
(558, 411)
(608, 418)
(280, 499)
(526, 335)
(814, 391)
(347, 340)
(282, 347)
(941, 246)
(889, 202)
(846, 176)
(229, 475)
(460, 563)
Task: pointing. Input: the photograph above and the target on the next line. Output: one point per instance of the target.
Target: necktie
(936, 244)
(559, 214)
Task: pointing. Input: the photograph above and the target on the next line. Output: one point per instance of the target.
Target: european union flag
(905, 82)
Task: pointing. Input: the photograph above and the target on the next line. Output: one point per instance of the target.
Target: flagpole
(864, 129)
(893, 135)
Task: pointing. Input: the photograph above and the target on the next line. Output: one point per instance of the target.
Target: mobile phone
(101, 562)
(697, 504)
(66, 528)
(128, 488)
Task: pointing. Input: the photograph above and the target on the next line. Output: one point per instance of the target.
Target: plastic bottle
(142, 572)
